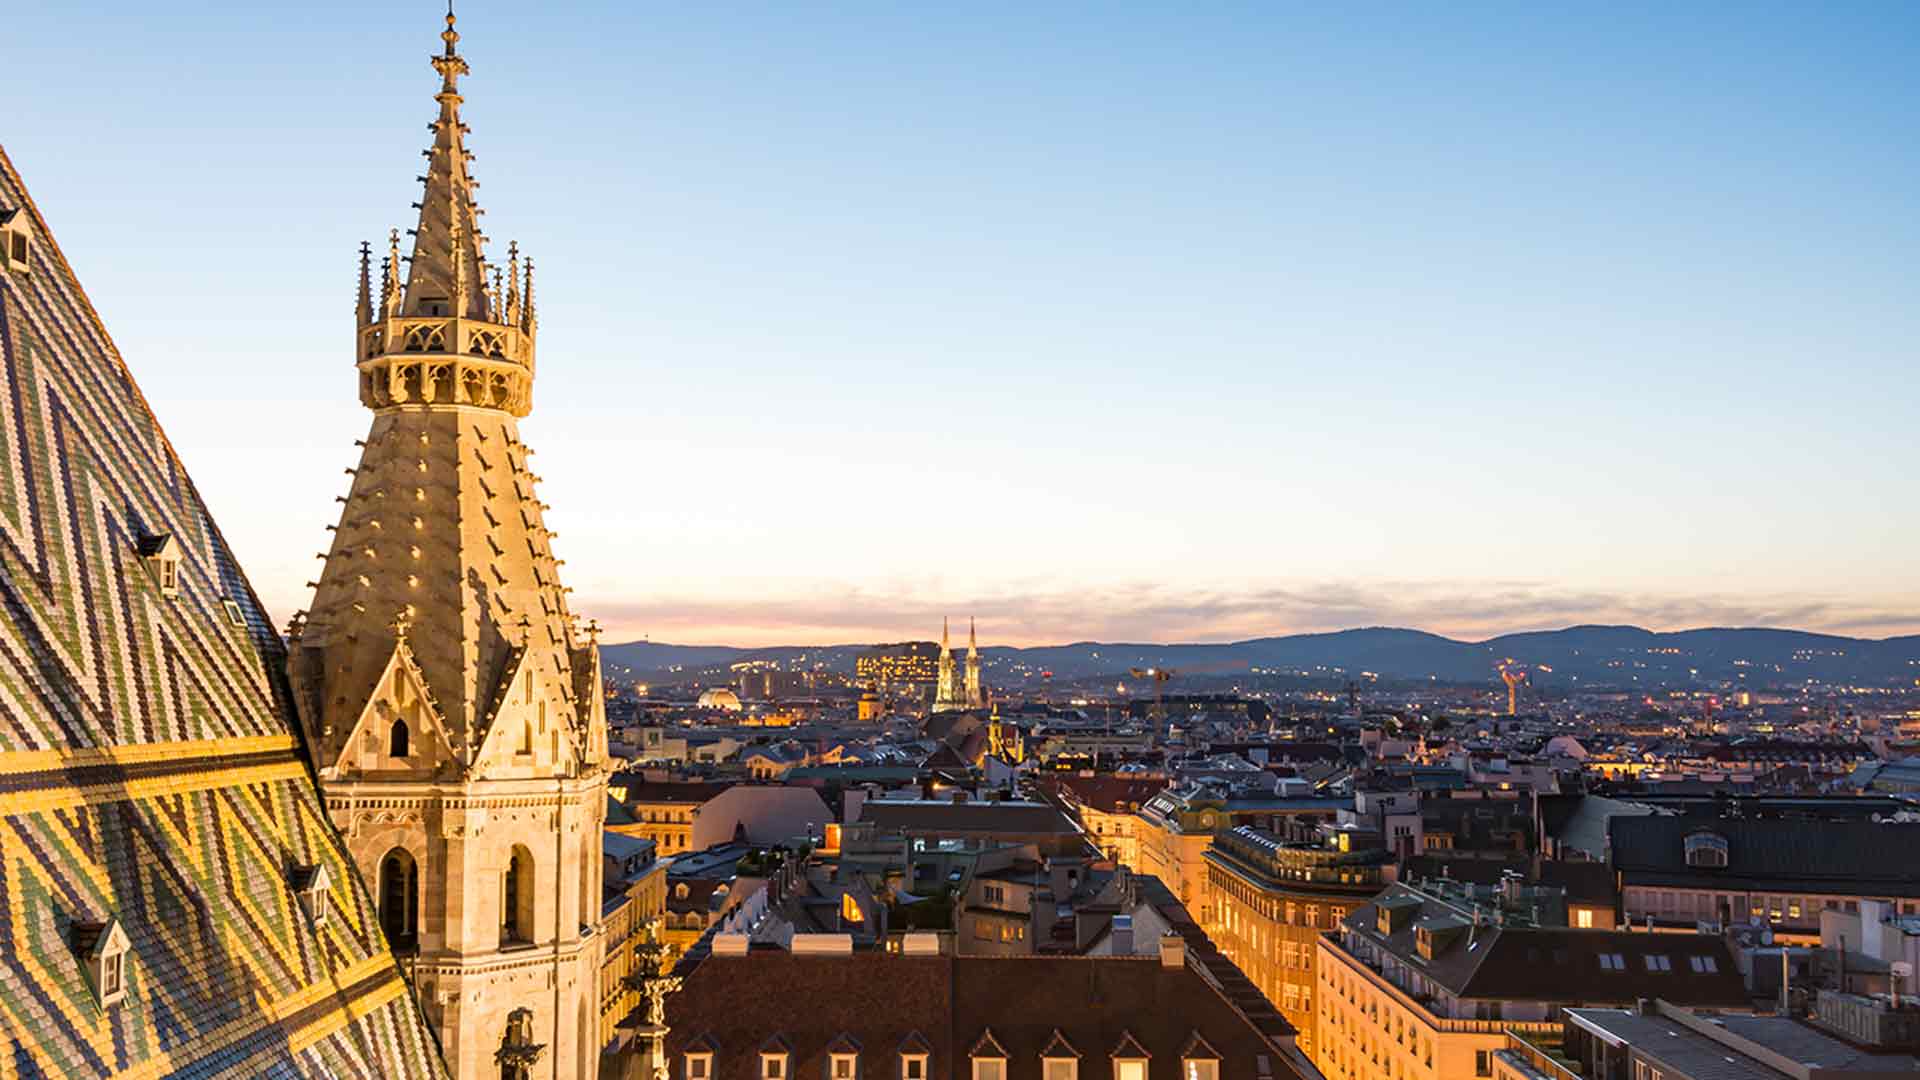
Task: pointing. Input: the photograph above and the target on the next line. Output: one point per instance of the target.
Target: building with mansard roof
(920, 1014)
(173, 899)
(454, 711)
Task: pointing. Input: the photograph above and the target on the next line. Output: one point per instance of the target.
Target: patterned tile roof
(148, 769)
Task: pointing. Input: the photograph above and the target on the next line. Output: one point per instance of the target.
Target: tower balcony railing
(444, 335)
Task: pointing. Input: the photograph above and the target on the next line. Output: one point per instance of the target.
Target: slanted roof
(928, 815)
(1774, 854)
(152, 733)
(986, 1046)
(1058, 1047)
(1494, 962)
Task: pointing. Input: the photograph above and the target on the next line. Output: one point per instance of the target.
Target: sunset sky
(1144, 322)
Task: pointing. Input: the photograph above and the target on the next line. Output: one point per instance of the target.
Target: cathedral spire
(973, 638)
(363, 309)
(447, 256)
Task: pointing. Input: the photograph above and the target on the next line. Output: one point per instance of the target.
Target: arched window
(400, 900)
(516, 898)
(397, 739)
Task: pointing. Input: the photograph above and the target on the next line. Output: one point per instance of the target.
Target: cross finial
(402, 622)
(449, 64)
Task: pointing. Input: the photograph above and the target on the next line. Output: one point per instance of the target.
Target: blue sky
(1097, 321)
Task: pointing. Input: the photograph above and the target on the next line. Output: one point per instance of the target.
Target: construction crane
(1160, 676)
(1513, 675)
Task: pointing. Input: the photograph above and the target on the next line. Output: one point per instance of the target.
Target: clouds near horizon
(827, 613)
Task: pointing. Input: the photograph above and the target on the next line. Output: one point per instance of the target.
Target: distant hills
(1596, 656)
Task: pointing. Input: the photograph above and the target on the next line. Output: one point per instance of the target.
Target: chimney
(1173, 952)
(920, 943)
(959, 796)
(821, 945)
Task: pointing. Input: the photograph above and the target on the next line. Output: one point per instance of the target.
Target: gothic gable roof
(148, 770)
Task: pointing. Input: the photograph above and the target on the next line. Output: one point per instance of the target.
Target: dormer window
(1058, 1059)
(161, 553)
(312, 885)
(699, 1067)
(235, 617)
(1199, 1060)
(775, 1056)
(914, 1056)
(1129, 1059)
(989, 1058)
(1706, 849)
(103, 949)
(843, 1058)
(16, 243)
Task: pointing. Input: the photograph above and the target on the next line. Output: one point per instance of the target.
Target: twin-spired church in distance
(212, 836)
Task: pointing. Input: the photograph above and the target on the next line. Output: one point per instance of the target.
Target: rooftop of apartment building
(1851, 857)
(1733, 1046)
(1482, 949)
(879, 1006)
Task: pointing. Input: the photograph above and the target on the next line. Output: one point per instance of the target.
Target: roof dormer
(161, 553)
(312, 886)
(103, 949)
(1705, 849)
(16, 242)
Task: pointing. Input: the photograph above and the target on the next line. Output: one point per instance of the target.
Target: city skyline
(1187, 371)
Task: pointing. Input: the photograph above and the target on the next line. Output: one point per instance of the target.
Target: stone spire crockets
(448, 265)
(443, 300)
(453, 710)
(442, 530)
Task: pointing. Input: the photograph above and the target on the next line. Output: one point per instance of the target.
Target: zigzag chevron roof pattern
(148, 767)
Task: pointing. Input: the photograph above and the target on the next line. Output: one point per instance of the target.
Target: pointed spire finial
(363, 309)
(528, 318)
(512, 312)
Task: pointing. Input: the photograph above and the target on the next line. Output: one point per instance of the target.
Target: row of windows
(1729, 906)
(776, 1066)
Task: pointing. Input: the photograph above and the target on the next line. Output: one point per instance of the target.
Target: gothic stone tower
(453, 713)
(948, 694)
(976, 696)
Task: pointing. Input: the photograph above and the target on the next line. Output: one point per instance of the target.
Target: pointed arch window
(400, 900)
(516, 899)
(397, 740)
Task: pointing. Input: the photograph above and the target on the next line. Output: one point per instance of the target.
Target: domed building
(720, 698)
